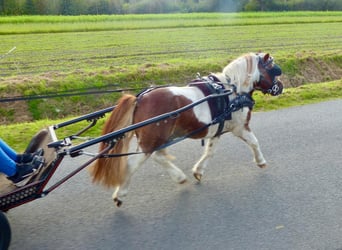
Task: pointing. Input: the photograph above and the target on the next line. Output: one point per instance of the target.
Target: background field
(107, 42)
(55, 53)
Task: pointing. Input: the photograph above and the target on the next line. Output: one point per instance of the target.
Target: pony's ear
(266, 57)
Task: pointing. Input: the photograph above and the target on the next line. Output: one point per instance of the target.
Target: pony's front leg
(133, 163)
(199, 167)
(164, 159)
(248, 136)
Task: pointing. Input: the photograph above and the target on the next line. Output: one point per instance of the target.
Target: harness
(221, 107)
(208, 86)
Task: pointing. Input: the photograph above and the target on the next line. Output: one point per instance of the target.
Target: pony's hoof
(262, 165)
(182, 181)
(117, 202)
(198, 176)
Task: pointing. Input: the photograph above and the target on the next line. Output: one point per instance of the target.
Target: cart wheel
(5, 232)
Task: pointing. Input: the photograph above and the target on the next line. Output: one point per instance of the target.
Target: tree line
(87, 7)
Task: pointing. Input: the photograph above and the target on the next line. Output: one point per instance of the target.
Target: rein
(66, 93)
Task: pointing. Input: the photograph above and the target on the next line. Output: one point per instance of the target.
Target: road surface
(295, 203)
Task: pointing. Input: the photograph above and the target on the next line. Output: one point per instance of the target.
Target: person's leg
(7, 165)
(19, 158)
(8, 150)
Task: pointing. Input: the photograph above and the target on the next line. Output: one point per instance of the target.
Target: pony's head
(254, 72)
(269, 82)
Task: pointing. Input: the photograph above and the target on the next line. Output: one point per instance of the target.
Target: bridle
(273, 70)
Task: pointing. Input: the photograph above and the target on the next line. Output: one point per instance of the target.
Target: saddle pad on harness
(217, 105)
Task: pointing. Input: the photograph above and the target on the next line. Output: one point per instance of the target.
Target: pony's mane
(236, 72)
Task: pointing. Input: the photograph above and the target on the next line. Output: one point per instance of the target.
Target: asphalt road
(296, 203)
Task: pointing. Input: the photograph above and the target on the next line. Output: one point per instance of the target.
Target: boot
(28, 157)
(27, 170)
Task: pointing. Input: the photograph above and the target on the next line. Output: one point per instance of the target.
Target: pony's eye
(271, 65)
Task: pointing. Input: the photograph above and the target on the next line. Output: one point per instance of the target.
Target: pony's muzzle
(277, 88)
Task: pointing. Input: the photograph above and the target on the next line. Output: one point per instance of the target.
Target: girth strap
(217, 105)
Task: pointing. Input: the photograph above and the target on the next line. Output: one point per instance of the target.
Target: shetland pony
(245, 74)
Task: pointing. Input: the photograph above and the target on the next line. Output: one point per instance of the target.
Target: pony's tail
(111, 172)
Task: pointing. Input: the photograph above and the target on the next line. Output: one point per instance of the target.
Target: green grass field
(66, 44)
(48, 24)
(55, 53)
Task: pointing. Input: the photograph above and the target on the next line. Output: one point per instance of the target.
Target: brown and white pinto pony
(248, 73)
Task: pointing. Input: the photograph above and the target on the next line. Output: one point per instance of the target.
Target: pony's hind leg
(199, 167)
(164, 159)
(133, 163)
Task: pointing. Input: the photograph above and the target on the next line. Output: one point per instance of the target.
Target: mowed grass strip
(48, 24)
(119, 49)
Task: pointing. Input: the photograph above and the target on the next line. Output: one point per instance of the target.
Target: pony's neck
(243, 72)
